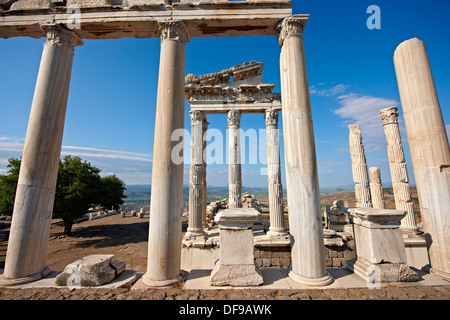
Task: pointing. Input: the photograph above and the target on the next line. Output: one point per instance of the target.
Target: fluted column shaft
(397, 166)
(196, 174)
(234, 160)
(27, 245)
(359, 168)
(204, 185)
(276, 213)
(164, 240)
(302, 182)
(428, 144)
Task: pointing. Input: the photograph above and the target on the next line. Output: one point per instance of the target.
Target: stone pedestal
(302, 182)
(276, 213)
(337, 217)
(164, 239)
(428, 144)
(380, 251)
(27, 245)
(236, 265)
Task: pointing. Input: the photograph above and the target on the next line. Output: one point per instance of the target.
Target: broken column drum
(164, 244)
(30, 226)
(359, 168)
(302, 182)
(428, 144)
(376, 189)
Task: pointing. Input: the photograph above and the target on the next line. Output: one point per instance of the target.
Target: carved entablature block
(238, 72)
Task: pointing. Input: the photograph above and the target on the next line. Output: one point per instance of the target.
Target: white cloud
(322, 90)
(365, 111)
(132, 167)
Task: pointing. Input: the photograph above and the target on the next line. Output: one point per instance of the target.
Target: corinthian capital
(59, 35)
(196, 116)
(271, 116)
(234, 118)
(174, 30)
(292, 26)
(389, 115)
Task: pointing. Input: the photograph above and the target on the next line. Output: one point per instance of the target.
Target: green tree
(111, 192)
(76, 190)
(8, 186)
(79, 187)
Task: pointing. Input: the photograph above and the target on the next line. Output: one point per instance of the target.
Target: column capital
(234, 118)
(174, 30)
(292, 26)
(196, 116)
(389, 115)
(271, 116)
(57, 34)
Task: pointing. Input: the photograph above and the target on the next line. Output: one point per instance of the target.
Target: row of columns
(197, 175)
(26, 254)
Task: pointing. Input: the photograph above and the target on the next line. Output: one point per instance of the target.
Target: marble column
(359, 168)
(397, 166)
(204, 185)
(234, 160)
(302, 182)
(195, 227)
(30, 226)
(376, 189)
(164, 244)
(276, 213)
(428, 144)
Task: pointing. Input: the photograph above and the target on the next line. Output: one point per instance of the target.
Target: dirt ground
(124, 237)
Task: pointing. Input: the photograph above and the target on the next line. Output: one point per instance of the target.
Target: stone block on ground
(91, 271)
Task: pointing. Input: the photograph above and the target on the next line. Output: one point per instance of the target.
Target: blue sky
(112, 99)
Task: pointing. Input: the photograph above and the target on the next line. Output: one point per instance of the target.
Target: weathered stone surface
(91, 271)
(236, 265)
(241, 275)
(428, 145)
(381, 255)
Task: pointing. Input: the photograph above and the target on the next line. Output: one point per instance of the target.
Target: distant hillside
(140, 193)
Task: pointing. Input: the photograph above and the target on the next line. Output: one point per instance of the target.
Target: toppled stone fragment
(91, 271)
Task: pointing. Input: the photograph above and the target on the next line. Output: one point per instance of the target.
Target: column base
(439, 273)
(5, 282)
(314, 282)
(277, 233)
(193, 233)
(165, 283)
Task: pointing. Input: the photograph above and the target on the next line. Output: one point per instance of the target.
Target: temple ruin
(66, 23)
